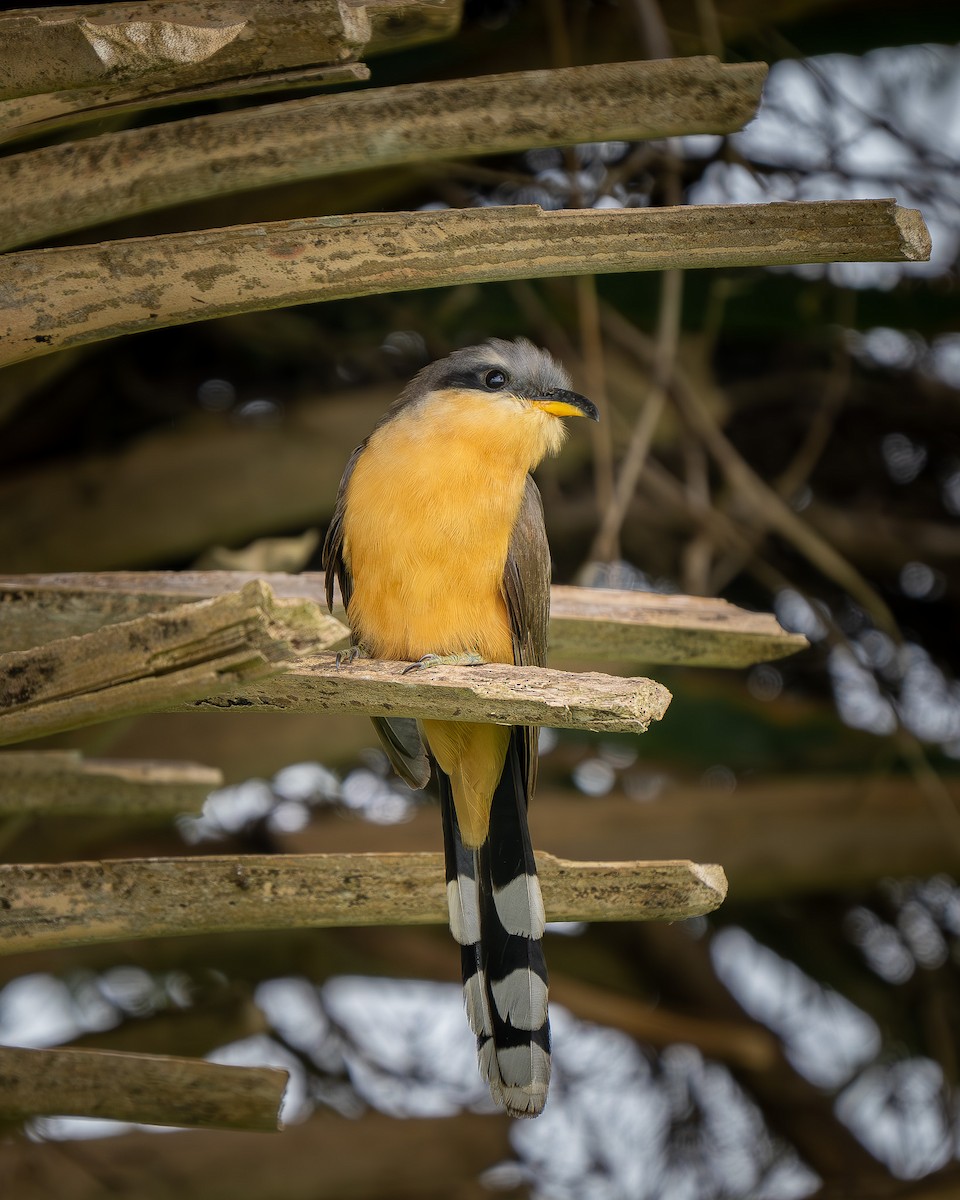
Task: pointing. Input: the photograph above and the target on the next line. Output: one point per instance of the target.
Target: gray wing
(334, 566)
(526, 581)
(526, 588)
(399, 736)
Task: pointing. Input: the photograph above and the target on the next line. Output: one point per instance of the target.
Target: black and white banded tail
(496, 914)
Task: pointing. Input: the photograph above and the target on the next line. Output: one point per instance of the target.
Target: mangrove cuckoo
(439, 546)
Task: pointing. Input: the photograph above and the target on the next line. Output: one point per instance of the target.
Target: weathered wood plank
(64, 783)
(179, 43)
(146, 1088)
(60, 188)
(493, 692)
(592, 624)
(55, 298)
(73, 904)
(28, 116)
(132, 667)
(702, 631)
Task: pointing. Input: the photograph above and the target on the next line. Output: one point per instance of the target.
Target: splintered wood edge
(44, 906)
(146, 1088)
(156, 660)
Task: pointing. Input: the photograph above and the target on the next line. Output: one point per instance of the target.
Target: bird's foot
(466, 658)
(346, 657)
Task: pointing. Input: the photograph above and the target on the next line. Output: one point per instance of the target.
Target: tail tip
(524, 1092)
(521, 1101)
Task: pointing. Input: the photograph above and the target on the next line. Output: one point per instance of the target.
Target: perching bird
(439, 546)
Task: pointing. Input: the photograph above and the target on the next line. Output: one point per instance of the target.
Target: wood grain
(71, 186)
(44, 906)
(52, 299)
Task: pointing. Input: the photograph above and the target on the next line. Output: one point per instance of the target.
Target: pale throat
(431, 507)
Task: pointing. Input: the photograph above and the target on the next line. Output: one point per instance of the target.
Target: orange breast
(430, 509)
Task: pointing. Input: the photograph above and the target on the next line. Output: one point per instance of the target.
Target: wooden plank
(28, 116)
(146, 1088)
(132, 667)
(175, 43)
(591, 624)
(66, 187)
(54, 298)
(626, 626)
(493, 692)
(64, 783)
(74, 904)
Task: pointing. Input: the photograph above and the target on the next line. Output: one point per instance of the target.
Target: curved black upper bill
(563, 403)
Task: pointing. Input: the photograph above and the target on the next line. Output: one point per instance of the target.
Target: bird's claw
(346, 657)
(468, 658)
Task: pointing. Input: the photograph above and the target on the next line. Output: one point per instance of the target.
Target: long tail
(496, 914)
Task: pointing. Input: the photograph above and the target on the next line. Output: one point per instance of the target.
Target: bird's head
(501, 392)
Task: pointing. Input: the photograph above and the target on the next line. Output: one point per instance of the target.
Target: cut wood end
(915, 242)
(714, 879)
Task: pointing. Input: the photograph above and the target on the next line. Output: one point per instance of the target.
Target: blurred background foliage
(803, 1040)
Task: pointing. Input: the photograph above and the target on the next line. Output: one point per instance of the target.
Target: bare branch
(607, 540)
(56, 298)
(766, 507)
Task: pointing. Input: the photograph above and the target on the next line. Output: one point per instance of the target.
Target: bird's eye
(495, 380)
